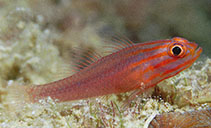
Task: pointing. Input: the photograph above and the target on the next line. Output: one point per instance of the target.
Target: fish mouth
(194, 57)
(198, 50)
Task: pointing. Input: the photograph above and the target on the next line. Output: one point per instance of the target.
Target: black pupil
(176, 50)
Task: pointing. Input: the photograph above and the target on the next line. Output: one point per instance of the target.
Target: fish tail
(18, 96)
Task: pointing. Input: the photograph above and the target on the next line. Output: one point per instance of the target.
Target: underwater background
(37, 37)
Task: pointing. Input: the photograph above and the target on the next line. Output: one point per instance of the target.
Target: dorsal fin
(117, 43)
(83, 57)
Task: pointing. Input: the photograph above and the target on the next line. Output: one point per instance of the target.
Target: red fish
(133, 67)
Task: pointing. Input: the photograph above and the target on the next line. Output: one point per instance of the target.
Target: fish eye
(177, 50)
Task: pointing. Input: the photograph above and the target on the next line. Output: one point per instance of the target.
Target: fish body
(136, 66)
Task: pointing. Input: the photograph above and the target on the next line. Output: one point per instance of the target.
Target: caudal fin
(17, 96)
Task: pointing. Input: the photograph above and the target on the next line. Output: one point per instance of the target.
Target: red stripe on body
(150, 58)
(173, 69)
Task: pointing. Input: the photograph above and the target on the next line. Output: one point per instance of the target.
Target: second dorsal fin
(118, 43)
(83, 57)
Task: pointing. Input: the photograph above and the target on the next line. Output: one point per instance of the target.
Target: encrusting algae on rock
(197, 118)
(31, 52)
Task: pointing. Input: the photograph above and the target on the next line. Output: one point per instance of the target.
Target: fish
(132, 67)
(189, 119)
